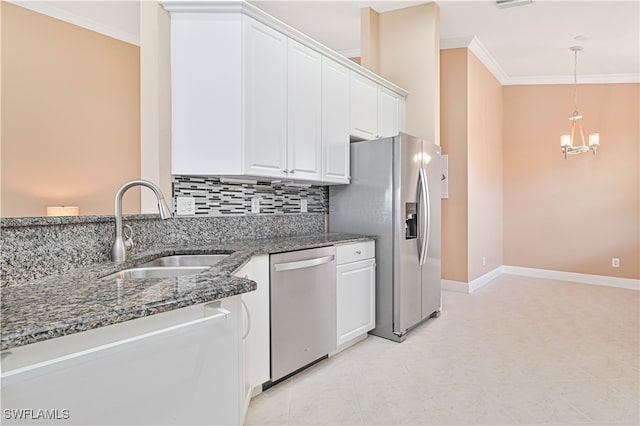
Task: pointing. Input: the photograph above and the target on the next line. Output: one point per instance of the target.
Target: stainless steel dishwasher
(303, 309)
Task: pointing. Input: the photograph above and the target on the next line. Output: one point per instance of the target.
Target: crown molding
(185, 9)
(49, 9)
(475, 45)
(568, 79)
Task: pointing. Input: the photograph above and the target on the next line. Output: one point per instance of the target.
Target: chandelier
(566, 141)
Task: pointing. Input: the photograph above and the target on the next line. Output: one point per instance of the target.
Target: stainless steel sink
(187, 260)
(157, 272)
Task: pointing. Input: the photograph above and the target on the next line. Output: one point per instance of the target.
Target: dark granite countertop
(80, 300)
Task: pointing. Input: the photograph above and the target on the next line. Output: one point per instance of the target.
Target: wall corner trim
(627, 283)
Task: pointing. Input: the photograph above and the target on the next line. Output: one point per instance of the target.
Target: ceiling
(524, 44)
(520, 45)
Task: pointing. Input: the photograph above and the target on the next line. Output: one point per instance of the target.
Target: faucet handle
(128, 241)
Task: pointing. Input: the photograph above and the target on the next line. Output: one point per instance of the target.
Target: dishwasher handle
(279, 267)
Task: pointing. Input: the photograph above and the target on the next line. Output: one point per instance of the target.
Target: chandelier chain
(575, 82)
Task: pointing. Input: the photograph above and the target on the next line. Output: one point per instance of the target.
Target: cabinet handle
(358, 252)
(292, 171)
(221, 315)
(246, 309)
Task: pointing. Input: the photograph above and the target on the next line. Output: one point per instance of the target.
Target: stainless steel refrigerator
(394, 194)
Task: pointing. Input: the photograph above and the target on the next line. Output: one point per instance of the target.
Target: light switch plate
(303, 205)
(255, 205)
(185, 206)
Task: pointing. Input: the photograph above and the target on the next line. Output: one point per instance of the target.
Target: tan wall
(484, 168)
(453, 66)
(369, 39)
(572, 215)
(409, 56)
(471, 124)
(71, 120)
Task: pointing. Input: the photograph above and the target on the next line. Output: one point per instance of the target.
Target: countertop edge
(237, 259)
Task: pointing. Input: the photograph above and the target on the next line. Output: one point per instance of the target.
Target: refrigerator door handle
(425, 208)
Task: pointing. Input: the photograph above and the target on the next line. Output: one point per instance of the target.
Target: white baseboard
(603, 280)
(462, 287)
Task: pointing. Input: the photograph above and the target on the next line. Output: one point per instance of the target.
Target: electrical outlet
(615, 262)
(303, 205)
(185, 206)
(484, 261)
(255, 205)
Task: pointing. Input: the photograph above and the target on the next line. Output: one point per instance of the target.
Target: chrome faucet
(120, 245)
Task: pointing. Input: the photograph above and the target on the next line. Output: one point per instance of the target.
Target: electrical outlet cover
(185, 206)
(303, 205)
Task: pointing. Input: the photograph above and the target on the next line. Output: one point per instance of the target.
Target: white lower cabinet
(178, 367)
(356, 290)
(256, 327)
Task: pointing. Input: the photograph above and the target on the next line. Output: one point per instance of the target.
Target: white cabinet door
(355, 299)
(265, 104)
(335, 122)
(257, 355)
(206, 95)
(388, 113)
(305, 109)
(178, 367)
(364, 107)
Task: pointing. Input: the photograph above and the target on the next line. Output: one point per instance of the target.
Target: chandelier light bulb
(566, 141)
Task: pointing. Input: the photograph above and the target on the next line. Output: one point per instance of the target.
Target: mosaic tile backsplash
(214, 198)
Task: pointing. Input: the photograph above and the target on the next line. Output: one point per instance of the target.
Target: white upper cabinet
(265, 105)
(304, 113)
(335, 122)
(253, 97)
(388, 113)
(206, 98)
(376, 112)
(364, 107)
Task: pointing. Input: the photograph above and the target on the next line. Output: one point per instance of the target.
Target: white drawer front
(355, 252)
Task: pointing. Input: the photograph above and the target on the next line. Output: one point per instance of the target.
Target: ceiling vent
(511, 3)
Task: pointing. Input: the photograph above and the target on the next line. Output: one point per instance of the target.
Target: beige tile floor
(518, 351)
